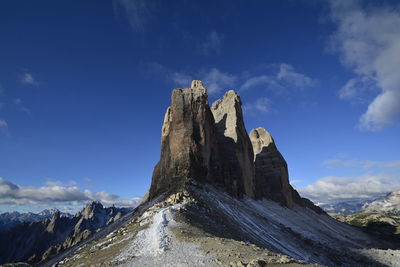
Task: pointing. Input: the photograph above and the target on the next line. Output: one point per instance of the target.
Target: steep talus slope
(204, 226)
(165, 235)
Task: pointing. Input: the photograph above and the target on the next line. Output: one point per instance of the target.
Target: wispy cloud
(21, 107)
(4, 128)
(289, 76)
(137, 12)
(285, 77)
(28, 79)
(212, 43)
(262, 104)
(217, 81)
(55, 193)
(213, 79)
(368, 41)
(181, 79)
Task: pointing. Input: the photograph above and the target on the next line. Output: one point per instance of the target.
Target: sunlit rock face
(189, 148)
(211, 145)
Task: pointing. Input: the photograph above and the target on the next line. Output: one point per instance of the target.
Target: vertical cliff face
(271, 172)
(234, 145)
(188, 143)
(211, 145)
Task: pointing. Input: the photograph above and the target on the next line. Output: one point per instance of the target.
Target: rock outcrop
(271, 171)
(234, 145)
(188, 143)
(211, 145)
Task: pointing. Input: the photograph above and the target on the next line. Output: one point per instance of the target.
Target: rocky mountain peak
(234, 145)
(271, 171)
(91, 209)
(197, 84)
(211, 145)
(188, 144)
(261, 140)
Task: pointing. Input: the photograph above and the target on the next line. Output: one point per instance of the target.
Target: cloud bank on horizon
(375, 179)
(54, 193)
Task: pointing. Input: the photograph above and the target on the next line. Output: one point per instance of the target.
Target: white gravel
(157, 245)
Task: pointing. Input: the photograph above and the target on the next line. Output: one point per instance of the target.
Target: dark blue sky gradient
(103, 87)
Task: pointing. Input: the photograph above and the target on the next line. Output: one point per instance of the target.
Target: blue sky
(84, 86)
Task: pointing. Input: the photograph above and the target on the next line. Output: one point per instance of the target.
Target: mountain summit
(211, 145)
(220, 197)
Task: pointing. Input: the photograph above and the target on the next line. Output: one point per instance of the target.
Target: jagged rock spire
(188, 143)
(271, 172)
(234, 145)
(211, 145)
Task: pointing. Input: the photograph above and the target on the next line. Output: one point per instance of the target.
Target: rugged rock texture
(188, 143)
(212, 146)
(234, 145)
(271, 172)
(35, 241)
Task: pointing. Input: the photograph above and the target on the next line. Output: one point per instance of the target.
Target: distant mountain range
(389, 203)
(30, 237)
(10, 219)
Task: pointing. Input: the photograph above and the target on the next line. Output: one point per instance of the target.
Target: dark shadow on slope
(208, 217)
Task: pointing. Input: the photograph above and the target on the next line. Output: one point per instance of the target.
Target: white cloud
(181, 79)
(355, 88)
(285, 77)
(137, 12)
(288, 75)
(333, 189)
(262, 104)
(212, 43)
(54, 193)
(213, 79)
(216, 80)
(368, 41)
(375, 179)
(260, 80)
(29, 79)
(4, 128)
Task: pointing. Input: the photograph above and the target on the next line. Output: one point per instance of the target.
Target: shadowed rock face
(212, 146)
(234, 145)
(271, 172)
(189, 147)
